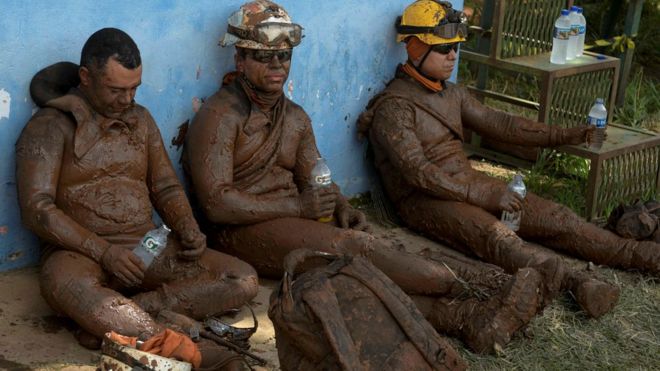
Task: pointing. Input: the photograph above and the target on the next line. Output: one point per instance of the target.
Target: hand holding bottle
(317, 203)
(512, 217)
(123, 264)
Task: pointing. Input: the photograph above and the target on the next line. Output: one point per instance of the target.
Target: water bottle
(598, 118)
(582, 22)
(560, 38)
(321, 177)
(512, 219)
(152, 244)
(571, 49)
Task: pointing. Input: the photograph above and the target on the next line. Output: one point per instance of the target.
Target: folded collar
(90, 125)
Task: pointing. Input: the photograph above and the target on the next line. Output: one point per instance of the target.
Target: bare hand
(124, 265)
(348, 217)
(193, 242)
(316, 203)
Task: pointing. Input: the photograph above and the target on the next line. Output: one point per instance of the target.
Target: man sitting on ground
(249, 153)
(415, 127)
(90, 165)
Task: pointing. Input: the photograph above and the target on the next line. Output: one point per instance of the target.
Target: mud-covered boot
(87, 340)
(486, 326)
(552, 268)
(594, 296)
(646, 257)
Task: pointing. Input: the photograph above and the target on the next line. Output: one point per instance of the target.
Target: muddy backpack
(347, 315)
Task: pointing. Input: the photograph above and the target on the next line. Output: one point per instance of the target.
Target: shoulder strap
(322, 300)
(437, 351)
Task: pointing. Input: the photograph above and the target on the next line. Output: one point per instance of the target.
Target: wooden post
(630, 29)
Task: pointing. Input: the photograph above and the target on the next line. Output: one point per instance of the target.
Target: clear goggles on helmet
(270, 33)
(448, 30)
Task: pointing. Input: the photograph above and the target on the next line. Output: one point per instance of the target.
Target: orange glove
(175, 345)
(170, 344)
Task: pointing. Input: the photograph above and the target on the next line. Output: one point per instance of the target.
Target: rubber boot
(87, 340)
(594, 296)
(552, 268)
(486, 326)
(646, 257)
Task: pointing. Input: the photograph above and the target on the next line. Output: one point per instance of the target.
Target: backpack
(347, 315)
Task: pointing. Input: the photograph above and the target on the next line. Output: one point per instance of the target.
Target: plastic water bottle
(321, 177)
(571, 50)
(512, 219)
(582, 22)
(560, 38)
(598, 118)
(152, 244)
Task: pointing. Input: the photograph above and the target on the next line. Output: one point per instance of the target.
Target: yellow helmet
(433, 22)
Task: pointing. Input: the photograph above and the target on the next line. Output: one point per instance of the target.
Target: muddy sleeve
(507, 128)
(39, 153)
(306, 156)
(165, 190)
(210, 147)
(394, 130)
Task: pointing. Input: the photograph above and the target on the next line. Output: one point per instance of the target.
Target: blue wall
(347, 56)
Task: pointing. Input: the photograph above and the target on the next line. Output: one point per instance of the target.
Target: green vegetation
(641, 108)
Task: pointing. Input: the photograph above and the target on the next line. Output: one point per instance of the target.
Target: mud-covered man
(91, 166)
(249, 153)
(415, 127)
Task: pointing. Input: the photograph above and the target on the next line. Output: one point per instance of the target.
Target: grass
(641, 108)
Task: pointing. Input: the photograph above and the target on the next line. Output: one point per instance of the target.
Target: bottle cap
(600, 100)
(564, 12)
(580, 10)
(574, 8)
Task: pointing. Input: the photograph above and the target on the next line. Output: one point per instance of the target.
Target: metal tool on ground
(193, 327)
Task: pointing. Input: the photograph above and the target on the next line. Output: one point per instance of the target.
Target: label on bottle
(561, 33)
(323, 180)
(575, 30)
(598, 123)
(150, 243)
(582, 29)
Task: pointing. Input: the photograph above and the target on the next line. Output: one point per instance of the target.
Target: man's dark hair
(110, 43)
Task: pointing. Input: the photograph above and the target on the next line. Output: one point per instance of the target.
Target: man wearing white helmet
(249, 153)
(415, 127)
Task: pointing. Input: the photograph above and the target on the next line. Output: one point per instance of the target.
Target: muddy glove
(503, 201)
(348, 217)
(578, 135)
(124, 265)
(316, 203)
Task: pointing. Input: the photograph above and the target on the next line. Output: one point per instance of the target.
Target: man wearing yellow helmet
(249, 153)
(415, 127)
